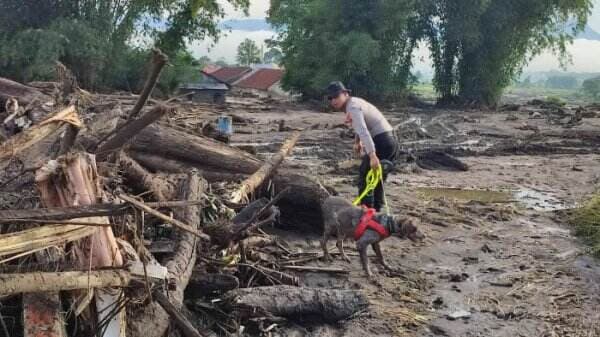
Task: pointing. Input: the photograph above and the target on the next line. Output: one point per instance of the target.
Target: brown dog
(342, 218)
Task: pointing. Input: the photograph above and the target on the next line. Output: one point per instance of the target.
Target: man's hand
(374, 160)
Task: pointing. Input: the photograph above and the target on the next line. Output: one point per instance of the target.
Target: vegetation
(478, 47)
(587, 223)
(366, 44)
(96, 39)
(591, 87)
(562, 82)
(248, 53)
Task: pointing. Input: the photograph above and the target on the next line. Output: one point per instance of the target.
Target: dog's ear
(399, 227)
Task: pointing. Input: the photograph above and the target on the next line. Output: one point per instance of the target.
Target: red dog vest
(367, 222)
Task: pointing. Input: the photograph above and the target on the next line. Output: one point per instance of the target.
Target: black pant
(386, 147)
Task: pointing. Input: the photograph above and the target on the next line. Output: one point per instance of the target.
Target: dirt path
(506, 267)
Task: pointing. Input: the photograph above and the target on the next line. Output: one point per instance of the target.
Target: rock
(459, 277)
(511, 118)
(459, 314)
(486, 249)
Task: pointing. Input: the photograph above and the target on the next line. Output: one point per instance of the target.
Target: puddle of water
(524, 197)
(465, 194)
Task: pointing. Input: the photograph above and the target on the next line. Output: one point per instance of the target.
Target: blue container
(225, 125)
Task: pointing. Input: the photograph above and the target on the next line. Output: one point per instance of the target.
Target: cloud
(226, 47)
(258, 9)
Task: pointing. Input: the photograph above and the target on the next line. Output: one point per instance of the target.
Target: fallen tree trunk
(24, 94)
(127, 131)
(207, 153)
(66, 213)
(161, 187)
(42, 282)
(152, 320)
(266, 170)
(328, 305)
(157, 163)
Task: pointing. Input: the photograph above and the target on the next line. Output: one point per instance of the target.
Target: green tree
(248, 53)
(366, 44)
(93, 37)
(479, 47)
(561, 82)
(273, 55)
(591, 87)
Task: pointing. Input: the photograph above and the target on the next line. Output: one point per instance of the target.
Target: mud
(496, 261)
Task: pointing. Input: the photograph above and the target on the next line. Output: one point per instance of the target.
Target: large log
(209, 154)
(152, 320)
(266, 170)
(42, 282)
(24, 94)
(156, 163)
(161, 187)
(328, 305)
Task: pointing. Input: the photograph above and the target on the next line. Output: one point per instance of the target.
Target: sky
(585, 54)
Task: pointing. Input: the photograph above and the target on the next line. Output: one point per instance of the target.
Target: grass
(587, 223)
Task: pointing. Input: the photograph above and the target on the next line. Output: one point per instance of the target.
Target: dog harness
(367, 221)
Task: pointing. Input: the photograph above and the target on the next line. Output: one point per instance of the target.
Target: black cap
(335, 88)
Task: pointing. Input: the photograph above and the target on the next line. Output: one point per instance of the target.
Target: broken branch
(47, 282)
(265, 171)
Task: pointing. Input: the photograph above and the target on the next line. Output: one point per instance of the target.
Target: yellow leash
(373, 178)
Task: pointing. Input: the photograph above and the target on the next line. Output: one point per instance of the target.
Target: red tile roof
(230, 74)
(262, 79)
(210, 68)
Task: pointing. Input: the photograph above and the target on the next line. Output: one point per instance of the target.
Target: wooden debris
(22, 142)
(158, 62)
(180, 320)
(163, 217)
(161, 187)
(127, 131)
(202, 284)
(65, 213)
(266, 170)
(43, 282)
(329, 305)
(207, 153)
(317, 269)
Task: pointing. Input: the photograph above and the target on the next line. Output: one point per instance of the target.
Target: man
(374, 136)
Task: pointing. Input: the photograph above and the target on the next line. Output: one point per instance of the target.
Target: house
(209, 90)
(262, 80)
(230, 74)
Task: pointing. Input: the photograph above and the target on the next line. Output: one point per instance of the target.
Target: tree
(273, 55)
(366, 44)
(92, 37)
(591, 87)
(248, 53)
(479, 47)
(561, 82)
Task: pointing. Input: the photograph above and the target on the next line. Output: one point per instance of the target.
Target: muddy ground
(499, 259)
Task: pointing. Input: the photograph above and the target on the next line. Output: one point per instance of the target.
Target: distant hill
(589, 34)
(248, 25)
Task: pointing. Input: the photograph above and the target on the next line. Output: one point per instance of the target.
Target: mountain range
(254, 25)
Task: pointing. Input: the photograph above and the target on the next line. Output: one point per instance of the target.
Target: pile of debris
(116, 222)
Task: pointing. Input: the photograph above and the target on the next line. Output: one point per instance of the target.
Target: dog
(343, 218)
